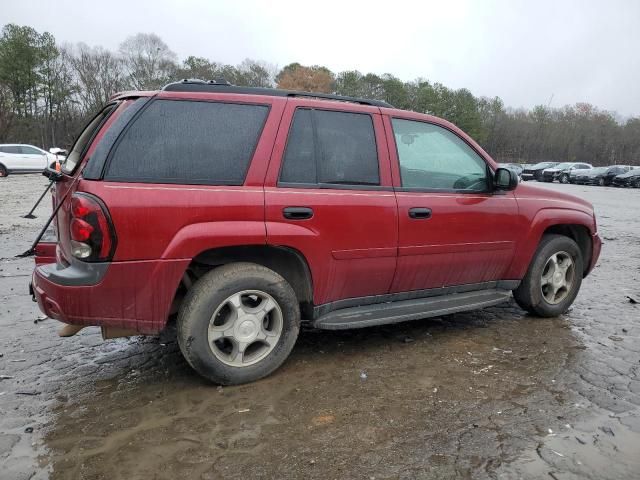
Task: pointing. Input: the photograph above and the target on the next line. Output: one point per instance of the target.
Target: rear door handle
(297, 213)
(420, 213)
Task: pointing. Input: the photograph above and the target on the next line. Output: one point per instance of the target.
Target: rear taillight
(93, 238)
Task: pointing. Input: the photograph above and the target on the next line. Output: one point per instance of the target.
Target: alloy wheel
(558, 277)
(245, 328)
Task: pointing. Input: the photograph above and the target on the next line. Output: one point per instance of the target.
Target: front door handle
(297, 213)
(420, 213)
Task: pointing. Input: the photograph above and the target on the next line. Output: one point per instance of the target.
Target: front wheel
(564, 178)
(238, 323)
(601, 182)
(553, 279)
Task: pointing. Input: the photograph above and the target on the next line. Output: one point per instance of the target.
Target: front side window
(189, 142)
(330, 148)
(434, 158)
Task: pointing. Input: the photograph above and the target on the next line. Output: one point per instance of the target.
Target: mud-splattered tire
(536, 291)
(3, 171)
(238, 323)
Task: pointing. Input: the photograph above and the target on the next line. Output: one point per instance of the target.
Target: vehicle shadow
(458, 394)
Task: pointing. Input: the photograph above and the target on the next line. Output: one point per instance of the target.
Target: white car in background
(19, 158)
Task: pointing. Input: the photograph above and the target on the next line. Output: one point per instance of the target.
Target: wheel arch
(579, 234)
(285, 261)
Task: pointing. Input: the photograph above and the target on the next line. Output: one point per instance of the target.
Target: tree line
(49, 90)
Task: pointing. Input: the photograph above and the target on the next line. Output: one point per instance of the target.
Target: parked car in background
(562, 171)
(271, 208)
(606, 176)
(535, 172)
(628, 179)
(585, 177)
(19, 158)
(516, 167)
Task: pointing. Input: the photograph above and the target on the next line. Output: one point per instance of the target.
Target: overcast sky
(523, 51)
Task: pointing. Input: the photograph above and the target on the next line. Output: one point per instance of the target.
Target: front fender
(544, 219)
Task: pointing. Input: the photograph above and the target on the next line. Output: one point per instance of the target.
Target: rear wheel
(238, 323)
(3, 171)
(553, 279)
(601, 182)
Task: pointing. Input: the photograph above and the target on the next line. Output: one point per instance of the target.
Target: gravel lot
(487, 394)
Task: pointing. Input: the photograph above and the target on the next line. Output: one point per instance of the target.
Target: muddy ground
(486, 394)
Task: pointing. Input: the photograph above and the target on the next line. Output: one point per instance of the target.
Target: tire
(564, 178)
(216, 293)
(533, 293)
(3, 171)
(601, 182)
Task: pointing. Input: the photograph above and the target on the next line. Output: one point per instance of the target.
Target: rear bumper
(131, 295)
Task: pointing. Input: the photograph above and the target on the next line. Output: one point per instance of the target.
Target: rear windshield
(83, 141)
(189, 142)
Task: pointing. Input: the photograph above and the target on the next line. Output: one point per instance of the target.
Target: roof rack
(222, 86)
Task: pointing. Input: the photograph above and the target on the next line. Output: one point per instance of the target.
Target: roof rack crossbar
(221, 85)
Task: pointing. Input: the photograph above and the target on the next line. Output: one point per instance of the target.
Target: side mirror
(505, 179)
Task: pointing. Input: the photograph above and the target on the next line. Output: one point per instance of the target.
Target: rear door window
(14, 149)
(188, 142)
(330, 148)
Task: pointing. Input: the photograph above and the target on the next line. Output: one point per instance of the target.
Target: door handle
(420, 213)
(297, 213)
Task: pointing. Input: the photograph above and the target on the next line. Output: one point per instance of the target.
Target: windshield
(564, 165)
(84, 139)
(598, 170)
(543, 165)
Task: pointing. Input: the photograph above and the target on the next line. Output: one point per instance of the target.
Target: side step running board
(394, 312)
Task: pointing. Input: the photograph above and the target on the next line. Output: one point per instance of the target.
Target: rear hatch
(71, 170)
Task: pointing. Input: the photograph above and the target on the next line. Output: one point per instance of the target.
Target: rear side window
(331, 148)
(189, 142)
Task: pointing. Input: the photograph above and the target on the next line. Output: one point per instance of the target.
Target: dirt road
(488, 394)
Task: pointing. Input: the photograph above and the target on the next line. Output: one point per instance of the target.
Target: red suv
(246, 211)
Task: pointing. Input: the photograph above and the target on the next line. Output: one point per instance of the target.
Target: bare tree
(98, 74)
(148, 61)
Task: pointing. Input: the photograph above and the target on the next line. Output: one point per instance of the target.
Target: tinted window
(299, 160)
(327, 147)
(189, 142)
(82, 141)
(26, 150)
(432, 157)
(11, 149)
